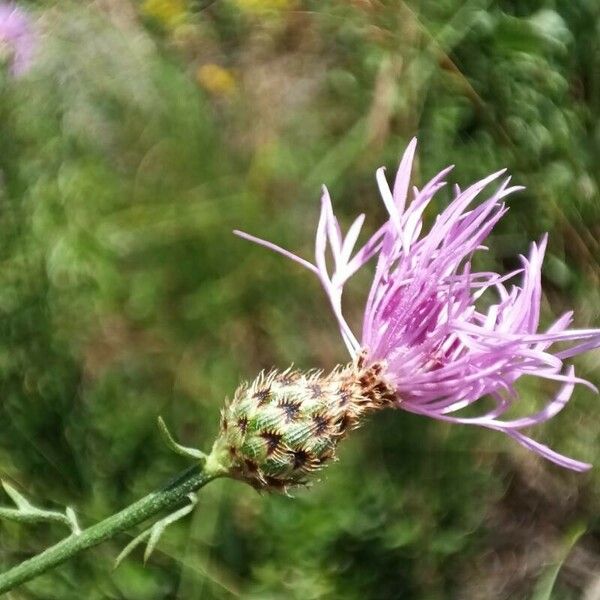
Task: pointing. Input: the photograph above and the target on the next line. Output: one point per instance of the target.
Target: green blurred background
(142, 135)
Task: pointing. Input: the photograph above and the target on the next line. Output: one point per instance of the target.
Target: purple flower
(16, 38)
(444, 349)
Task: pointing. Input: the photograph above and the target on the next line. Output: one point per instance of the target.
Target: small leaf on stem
(154, 533)
(193, 453)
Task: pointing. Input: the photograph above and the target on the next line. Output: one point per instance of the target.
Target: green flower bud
(286, 425)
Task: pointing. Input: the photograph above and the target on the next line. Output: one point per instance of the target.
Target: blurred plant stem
(151, 505)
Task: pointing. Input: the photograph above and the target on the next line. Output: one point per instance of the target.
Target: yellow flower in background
(168, 12)
(262, 5)
(216, 79)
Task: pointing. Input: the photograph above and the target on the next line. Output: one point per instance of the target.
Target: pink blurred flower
(17, 40)
(443, 351)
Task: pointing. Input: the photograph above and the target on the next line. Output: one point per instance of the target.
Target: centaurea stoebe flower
(427, 344)
(16, 38)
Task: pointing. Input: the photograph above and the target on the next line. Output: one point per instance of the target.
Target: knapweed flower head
(17, 41)
(430, 343)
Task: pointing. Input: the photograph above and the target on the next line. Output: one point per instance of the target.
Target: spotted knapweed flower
(17, 40)
(431, 342)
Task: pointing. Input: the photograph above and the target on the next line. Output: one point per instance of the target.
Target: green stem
(149, 506)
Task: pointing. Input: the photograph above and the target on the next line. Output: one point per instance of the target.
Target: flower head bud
(285, 425)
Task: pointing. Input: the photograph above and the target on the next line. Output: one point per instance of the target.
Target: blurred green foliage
(143, 134)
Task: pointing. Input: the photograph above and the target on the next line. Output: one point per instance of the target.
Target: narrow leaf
(178, 448)
(72, 518)
(159, 528)
(16, 497)
(154, 533)
(138, 539)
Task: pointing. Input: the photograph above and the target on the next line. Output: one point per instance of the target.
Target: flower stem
(168, 497)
